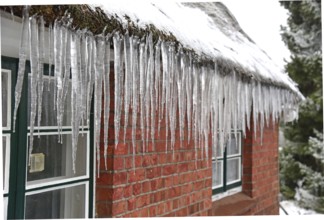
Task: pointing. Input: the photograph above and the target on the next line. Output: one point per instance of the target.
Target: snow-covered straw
(154, 81)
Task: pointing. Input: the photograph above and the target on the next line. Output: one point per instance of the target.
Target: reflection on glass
(233, 170)
(48, 107)
(58, 158)
(5, 95)
(5, 161)
(217, 173)
(4, 148)
(61, 203)
(5, 207)
(233, 146)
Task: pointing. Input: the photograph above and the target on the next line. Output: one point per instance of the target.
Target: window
(227, 167)
(6, 122)
(46, 186)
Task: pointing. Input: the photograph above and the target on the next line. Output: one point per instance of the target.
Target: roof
(210, 30)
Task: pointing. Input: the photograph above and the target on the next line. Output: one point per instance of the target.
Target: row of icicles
(152, 79)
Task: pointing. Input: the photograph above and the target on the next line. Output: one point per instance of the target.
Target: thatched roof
(207, 29)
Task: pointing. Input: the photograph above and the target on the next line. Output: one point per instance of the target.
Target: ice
(134, 51)
(128, 81)
(75, 95)
(106, 95)
(117, 40)
(34, 56)
(41, 46)
(22, 62)
(154, 81)
(142, 84)
(99, 74)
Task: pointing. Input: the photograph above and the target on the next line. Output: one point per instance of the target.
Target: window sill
(237, 204)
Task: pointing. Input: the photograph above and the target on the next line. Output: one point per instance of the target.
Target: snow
(216, 41)
(158, 80)
(292, 208)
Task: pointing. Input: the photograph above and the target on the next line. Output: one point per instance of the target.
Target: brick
(137, 189)
(119, 207)
(103, 209)
(153, 172)
(136, 176)
(131, 204)
(168, 170)
(104, 194)
(118, 163)
(120, 178)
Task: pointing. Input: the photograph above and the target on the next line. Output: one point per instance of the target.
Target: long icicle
(22, 62)
(33, 37)
(106, 95)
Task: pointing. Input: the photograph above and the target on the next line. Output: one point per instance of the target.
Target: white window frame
(7, 164)
(86, 191)
(220, 158)
(60, 179)
(8, 126)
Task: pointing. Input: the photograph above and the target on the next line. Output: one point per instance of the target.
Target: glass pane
(233, 170)
(60, 203)
(5, 207)
(233, 146)
(6, 97)
(217, 174)
(52, 161)
(48, 108)
(5, 161)
(219, 148)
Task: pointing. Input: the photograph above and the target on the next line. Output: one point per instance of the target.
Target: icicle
(151, 83)
(34, 57)
(84, 79)
(22, 63)
(164, 54)
(75, 93)
(189, 95)
(128, 81)
(107, 96)
(50, 51)
(90, 73)
(142, 84)
(134, 50)
(41, 46)
(99, 71)
(117, 92)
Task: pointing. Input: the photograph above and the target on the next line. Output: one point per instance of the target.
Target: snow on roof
(207, 28)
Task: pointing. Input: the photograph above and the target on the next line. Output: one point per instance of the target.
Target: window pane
(60, 203)
(5, 161)
(53, 161)
(5, 207)
(48, 108)
(233, 146)
(219, 148)
(6, 97)
(217, 174)
(233, 170)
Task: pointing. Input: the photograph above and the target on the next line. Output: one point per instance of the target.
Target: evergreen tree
(301, 160)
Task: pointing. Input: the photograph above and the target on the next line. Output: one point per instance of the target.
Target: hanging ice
(117, 85)
(154, 80)
(33, 38)
(22, 62)
(106, 95)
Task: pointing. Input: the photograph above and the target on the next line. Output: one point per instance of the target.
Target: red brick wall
(261, 170)
(174, 183)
